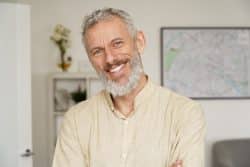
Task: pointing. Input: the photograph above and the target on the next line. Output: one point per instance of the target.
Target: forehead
(107, 30)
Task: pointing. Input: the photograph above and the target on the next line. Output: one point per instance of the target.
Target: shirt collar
(140, 98)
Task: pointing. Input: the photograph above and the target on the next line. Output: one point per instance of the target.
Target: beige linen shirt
(163, 127)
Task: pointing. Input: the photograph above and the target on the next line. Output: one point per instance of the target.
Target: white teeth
(116, 69)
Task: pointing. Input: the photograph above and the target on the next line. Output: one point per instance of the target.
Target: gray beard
(120, 90)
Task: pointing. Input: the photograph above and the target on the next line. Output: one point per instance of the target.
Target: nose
(109, 56)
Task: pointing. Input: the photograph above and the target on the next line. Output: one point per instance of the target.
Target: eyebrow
(116, 39)
(95, 48)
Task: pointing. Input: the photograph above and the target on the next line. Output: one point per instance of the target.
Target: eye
(118, 44)
(97, 53)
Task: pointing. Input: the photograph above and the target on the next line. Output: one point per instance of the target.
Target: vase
(64, 62)
(64, 66)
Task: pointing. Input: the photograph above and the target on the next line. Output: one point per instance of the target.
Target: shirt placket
(125, 143)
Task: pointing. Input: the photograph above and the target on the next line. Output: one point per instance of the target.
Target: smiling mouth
(116, 69)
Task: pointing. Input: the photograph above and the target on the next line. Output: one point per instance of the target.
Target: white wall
(225, 118)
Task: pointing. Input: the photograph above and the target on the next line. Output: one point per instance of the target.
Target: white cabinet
(64, 90)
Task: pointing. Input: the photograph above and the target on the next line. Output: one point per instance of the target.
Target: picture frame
(206, 62)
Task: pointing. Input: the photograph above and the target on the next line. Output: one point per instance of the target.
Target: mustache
(108, 66)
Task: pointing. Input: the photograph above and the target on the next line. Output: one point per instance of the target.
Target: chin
(122, 80)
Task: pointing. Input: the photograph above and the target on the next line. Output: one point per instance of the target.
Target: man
(133, 122)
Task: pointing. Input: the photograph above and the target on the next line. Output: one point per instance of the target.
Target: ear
(140, 41)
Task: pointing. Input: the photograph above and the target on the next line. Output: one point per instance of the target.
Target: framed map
(206, 62)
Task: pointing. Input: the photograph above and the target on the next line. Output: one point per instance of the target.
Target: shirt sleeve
(68, 152)
(190, 136)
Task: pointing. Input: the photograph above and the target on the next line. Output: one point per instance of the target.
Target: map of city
(207, 62)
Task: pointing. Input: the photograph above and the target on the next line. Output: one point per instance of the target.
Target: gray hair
(105, 14)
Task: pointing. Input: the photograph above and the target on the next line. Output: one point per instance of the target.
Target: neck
(125, 104)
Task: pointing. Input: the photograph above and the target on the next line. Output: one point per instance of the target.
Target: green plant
(60, 37)
(79, 95)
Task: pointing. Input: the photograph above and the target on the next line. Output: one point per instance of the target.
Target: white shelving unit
(61, 85)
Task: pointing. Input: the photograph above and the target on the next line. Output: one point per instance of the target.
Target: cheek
(97, 64)
(128, 50)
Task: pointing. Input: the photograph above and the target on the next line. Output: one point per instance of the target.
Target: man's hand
(177, 163)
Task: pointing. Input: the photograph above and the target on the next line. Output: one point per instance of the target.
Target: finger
(177, 163)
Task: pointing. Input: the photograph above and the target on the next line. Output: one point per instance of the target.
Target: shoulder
(172, 97)
(182, 101)
(85, 110)
(179, 104)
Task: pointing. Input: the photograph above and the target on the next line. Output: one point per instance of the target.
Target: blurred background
(226, 119)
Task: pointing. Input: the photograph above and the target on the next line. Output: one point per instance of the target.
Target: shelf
(61, 84)
(73, 75)
(59, 113)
